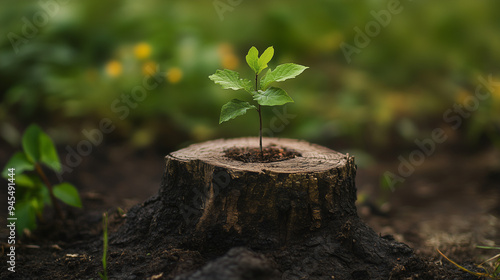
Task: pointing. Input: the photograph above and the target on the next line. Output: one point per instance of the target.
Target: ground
(450, 202)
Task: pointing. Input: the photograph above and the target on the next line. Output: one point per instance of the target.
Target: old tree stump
(298, 214)
(270, 203)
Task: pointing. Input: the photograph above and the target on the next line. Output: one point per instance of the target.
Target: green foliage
(259, 63)
(281, 73)
(272, 97)
(229, 79)
(492, 272)
(67, 193)
(233, 109)
(48, 153)
(38, 147)
(104, 275)
(26, 213)
(20, 162)
(264, 96)
(33, 189)
(31, 143)
(51, 77)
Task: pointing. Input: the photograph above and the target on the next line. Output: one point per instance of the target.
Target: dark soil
(269, 154)
(450, 202)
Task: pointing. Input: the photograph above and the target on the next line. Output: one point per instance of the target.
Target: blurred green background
(66, 65)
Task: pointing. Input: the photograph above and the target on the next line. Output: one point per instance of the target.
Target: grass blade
(463, 268)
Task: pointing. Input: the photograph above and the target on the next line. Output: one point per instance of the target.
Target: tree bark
(298, 214)
(275, 202)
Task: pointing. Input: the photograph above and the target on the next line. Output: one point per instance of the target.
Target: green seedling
(104, 275)
(31, 186)
(261, 92)
(121, 212)
(492, 272)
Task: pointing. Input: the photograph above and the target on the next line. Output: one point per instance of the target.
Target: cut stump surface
(275, 202)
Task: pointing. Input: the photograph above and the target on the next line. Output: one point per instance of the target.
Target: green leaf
(259, 63)
(37, 204)
(253, 59)
(26, 181)
(265, 58)
(20, 162)
(229, 79)
(281, 73)
(272, 97)
(68, 194)
(43, 197)
(488, 247)
(31, 143)
(233, 109)
(48, 153)
(26, 216)
(38, 147)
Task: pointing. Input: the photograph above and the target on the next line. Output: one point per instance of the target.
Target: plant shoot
(260, 90)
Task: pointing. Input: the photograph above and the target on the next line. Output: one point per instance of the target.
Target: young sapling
(261, 92)
(35, 190)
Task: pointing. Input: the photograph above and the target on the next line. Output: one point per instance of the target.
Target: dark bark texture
(267, 204)
(298, 216)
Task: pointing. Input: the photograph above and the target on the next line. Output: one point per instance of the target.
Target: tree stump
(298, 214)
(274, 202)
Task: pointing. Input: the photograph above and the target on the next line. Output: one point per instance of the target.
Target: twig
(40, 172)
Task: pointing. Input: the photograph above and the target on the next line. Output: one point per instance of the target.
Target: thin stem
(260, 117)
(51, 192)
(256, 82)
(260, 132)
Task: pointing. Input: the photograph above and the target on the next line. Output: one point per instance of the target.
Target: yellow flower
(142, 50)
(149, 68)
(114, 68)
(230, 61)
(174, 75)
(462, 96)
(495, 90)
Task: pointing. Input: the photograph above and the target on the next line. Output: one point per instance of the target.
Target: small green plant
(33, 189)
(104, 275)
(492, 272)
(261, 92)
